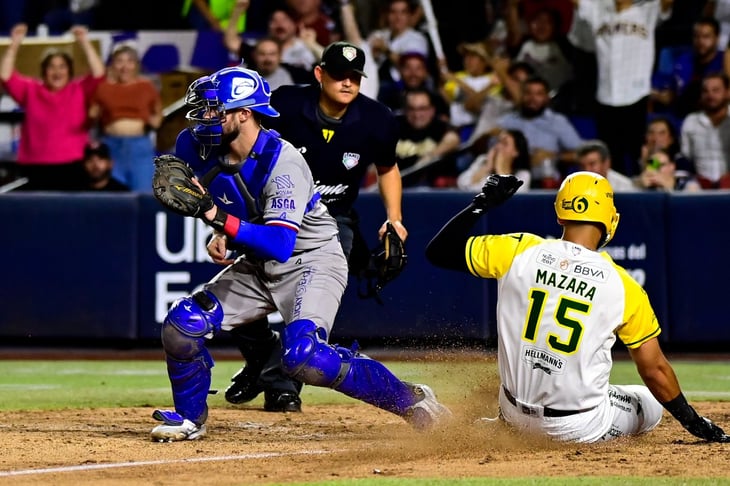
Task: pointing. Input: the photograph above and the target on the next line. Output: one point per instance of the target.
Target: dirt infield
(249, 446)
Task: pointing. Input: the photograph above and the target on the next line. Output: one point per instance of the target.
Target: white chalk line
(111, 465)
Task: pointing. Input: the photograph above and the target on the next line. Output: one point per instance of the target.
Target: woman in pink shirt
(55, 128)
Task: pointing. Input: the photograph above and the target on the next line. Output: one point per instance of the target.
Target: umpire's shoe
(282, 401)
(245, 386)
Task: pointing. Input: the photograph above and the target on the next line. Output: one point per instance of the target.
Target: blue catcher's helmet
(229, 89)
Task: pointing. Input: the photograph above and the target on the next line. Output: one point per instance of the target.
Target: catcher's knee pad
(308, 358)
(189, 321)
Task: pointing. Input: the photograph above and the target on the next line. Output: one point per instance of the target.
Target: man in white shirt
(705, 134)
(623, 34)
(593, 156)
(399, 37)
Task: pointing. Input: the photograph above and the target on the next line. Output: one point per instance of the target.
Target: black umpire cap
(342, 57)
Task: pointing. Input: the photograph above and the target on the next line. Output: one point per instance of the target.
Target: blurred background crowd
(636, 90)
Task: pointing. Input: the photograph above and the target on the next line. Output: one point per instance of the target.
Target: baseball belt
(546, 411)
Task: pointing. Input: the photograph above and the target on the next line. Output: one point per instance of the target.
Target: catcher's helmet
(587, 196)
(225, 90)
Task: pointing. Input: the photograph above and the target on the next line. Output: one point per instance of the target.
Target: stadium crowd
(635, 90)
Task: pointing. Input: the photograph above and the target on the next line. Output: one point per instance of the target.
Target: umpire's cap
(342, 57)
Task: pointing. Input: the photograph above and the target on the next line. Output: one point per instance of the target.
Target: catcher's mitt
(386, 263)
(173, 186)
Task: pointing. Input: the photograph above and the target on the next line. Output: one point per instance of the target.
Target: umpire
(341, 133)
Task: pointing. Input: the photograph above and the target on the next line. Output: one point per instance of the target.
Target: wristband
(225, 223)
(681, 410)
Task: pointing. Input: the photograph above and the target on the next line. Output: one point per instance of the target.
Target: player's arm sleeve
(640, 321)
(286, 197)
(491, 256)
(446, 249)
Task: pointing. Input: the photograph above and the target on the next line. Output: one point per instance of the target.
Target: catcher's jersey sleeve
(290, 200)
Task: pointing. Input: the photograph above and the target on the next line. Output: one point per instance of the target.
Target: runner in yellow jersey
(561, 305)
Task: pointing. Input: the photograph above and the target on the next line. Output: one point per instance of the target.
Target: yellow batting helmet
(587, 196)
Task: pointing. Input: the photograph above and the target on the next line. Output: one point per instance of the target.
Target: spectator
(282, 28)
(467, 90)
(55, 128)
(266, 58)
(660, 173)
(424, 138)
(414, 74)
(545, 48)
(528, 9)
(510, 154)
(706, 134)
(309, 14)
(266, 53)
(679, 92)
(398, 37)
(98, 165)
(496, 106)
(661, 134)
(720, 10)
(128, 109)
(370, 86)
(550, 135)
(213, 14)
(623, 34)
(61, 18)
(594, 156)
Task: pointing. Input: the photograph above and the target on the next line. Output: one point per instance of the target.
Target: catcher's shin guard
(190, 381)
(188, 322)
(308, 358)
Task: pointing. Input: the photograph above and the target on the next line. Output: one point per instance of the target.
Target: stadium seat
(209, 53)
(161, 58)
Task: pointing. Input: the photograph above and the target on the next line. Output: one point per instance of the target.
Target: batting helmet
(229, 89)
(588, 197)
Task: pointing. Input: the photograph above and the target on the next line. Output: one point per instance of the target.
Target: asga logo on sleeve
(242, 88)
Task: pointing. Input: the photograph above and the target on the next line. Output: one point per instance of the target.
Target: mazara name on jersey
(566, 282)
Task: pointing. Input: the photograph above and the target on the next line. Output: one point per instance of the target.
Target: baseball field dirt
(246, 445)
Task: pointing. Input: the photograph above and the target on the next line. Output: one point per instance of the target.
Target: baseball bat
(21, 181)
(433, 32)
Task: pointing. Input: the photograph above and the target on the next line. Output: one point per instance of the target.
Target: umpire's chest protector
(338, 154)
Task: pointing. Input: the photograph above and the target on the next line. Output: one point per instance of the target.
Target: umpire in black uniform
(341, 133)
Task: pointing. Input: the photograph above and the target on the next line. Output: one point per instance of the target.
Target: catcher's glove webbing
(172, 184)
(386, 263)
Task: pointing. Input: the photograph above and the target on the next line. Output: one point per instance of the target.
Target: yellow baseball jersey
(559, 310)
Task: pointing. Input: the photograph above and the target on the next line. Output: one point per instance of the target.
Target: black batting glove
(705, 428)
(496, 190)
(693, 422)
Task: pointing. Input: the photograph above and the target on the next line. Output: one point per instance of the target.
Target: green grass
(48, 385)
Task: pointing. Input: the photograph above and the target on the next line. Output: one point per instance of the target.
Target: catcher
(257, 193)
(341, 134)
(561, 306)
